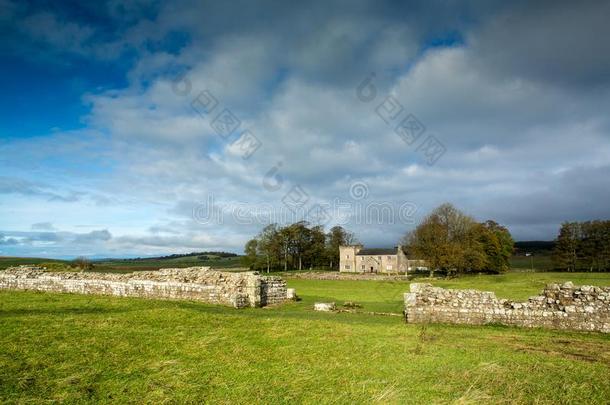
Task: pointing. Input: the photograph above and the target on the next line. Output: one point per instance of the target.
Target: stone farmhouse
(357, 259)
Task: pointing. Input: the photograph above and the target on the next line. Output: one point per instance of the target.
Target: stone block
(324, 306)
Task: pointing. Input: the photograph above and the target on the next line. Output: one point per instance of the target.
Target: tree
(82, 263)
(594, 245)
(285, 240)
(301, 235)
(250, 258)
(583, 246)
(454, 242)
(567, 246)
(445, 240)
(315, 252)
(429, 241)
(498, 244)
(337, 236)
(270, 246)
(295, 246)
(476, 244)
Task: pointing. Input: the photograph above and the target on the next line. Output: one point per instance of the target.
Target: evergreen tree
(565, 254)
(583, 246)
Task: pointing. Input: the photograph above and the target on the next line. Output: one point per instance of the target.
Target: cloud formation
(515, 93)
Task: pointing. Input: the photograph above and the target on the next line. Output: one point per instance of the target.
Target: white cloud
(514, 139)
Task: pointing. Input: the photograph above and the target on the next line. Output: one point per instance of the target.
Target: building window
(347, 256)
(347, 267)
(379, 257)
(388, 267)
(389, 257)
(361, 258)
(363, 267)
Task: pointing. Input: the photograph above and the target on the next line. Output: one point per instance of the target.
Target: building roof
(376, 252)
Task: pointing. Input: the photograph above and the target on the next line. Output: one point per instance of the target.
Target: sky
(142, 128)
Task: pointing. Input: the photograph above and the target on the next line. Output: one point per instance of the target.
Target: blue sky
(104, 152)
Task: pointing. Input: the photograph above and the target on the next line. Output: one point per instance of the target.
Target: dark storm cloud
(579, 194)
(561, 42)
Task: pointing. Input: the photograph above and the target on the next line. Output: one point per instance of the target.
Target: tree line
(454, 243)
(296, 246)
(583, 246)
(447, 239)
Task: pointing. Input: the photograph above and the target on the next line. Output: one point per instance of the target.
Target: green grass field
(75, 348)
(386, 296)
(541, 262)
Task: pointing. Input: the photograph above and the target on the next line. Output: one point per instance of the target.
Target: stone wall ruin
(564, 306)
(236, 289)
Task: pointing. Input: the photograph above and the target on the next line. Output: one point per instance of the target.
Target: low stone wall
(244, 289)
(558, 307)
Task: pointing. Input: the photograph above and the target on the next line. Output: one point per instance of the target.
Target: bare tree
(82, 263)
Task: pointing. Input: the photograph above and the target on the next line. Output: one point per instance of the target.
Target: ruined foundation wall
(558, 307)
(244, 289)
(273, 290)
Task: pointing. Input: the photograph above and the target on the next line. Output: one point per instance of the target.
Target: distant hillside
(212, 259)
(201, 255)
(6, 262)
(223, 260)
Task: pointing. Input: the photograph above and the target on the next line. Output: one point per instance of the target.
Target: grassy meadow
(386, 296)
(74, 348)
(541, 262)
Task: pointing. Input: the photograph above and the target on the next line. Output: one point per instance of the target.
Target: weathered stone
(410, 299)
(291, 294)
(578, 308)
(324, 306)
(237, 289)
